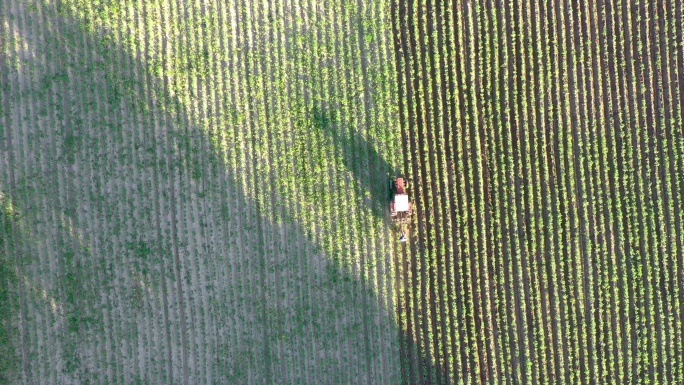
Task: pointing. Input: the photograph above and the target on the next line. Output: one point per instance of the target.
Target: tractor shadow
(373, 174)
(369, 168)
(148, 205)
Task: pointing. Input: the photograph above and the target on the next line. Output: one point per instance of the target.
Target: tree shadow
(373, 174)
(167, 271)
(9, 304)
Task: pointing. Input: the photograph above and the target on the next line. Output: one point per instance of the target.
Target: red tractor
(400, 206)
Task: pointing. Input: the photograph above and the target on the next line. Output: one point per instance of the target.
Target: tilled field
(195, 192)
(546, 145)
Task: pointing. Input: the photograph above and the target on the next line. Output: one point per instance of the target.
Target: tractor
(400, 206)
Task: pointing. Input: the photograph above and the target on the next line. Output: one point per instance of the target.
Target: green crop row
(547, 181)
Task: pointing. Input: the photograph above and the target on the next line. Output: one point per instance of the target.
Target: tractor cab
(400, 206)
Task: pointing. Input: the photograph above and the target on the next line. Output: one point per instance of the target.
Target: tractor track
(170, 155)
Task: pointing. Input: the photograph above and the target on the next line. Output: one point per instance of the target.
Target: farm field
(545, 143)
(196, 191)
(190, 192)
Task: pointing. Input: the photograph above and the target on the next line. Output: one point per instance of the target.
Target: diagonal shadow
(373, 174)
(272, 295)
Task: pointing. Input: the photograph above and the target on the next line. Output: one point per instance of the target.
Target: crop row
(204, 185)
(547, 175)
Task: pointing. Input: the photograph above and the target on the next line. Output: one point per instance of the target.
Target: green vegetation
(197, 192)
(190, 214)
(9, 304)
(544, 140)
